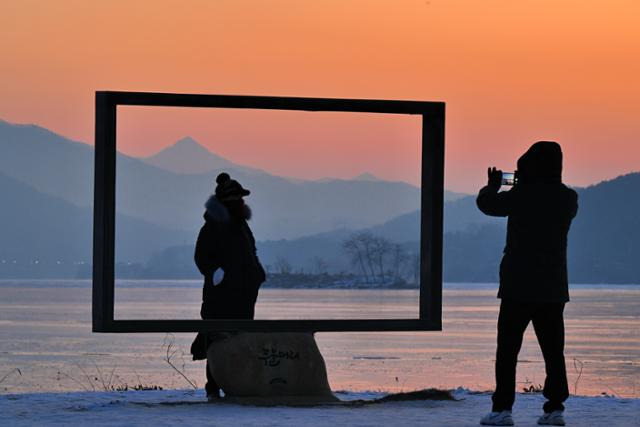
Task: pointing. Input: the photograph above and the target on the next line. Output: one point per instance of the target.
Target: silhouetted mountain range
(603, 242)
(46, 169)
(46, 236)
(46, 220)
(285, 208)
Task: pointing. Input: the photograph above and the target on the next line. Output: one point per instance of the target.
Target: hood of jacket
(541, 163)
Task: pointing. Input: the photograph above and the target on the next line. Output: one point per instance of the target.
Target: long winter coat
(539, 210)
(227, 243)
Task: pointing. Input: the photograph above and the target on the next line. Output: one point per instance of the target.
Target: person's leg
(548, 323)
(203, 341)
(211, 387)
(512, 322)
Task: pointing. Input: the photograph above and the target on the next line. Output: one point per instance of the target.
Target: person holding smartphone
(533, 274)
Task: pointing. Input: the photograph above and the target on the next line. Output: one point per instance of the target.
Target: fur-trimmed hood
(216, 211)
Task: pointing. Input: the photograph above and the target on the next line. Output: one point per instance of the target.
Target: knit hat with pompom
(229, 189)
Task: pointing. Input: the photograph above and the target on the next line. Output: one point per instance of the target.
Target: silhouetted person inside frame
(533, 274)
(226, 256)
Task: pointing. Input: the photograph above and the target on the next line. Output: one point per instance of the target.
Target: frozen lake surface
(47, 345)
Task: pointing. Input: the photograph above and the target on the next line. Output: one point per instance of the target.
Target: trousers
(211, 387)
(548, 324)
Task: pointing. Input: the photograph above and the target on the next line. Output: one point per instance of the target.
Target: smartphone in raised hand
(509, 178)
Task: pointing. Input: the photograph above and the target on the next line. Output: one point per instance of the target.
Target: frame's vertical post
(431, 227)
(104, 213)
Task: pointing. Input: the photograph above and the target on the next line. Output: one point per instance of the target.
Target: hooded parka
(539, 210)
(227, 242)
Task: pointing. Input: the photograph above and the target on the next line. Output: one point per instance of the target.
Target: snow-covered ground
(179, 407)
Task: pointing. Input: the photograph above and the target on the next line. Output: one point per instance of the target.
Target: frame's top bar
(270, 102)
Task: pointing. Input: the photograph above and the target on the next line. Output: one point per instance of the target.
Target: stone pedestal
(270, 365)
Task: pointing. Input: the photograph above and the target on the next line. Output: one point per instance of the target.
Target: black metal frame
(433, 114)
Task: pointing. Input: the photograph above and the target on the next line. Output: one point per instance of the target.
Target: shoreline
(197, 283)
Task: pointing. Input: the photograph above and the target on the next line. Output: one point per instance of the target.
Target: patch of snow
(182, 407)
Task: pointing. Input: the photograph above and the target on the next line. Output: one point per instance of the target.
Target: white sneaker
(497, 419)
(554, 418)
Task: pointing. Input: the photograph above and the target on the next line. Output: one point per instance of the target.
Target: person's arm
(252, 241)
(205, 255)
(491, 201)
(573, 204)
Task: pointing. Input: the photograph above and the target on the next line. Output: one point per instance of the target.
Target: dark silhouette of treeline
(373, 261)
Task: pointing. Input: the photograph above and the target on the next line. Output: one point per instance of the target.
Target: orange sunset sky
(511, 72)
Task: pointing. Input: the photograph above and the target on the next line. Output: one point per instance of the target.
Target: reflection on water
(46, 333)
(158, 300)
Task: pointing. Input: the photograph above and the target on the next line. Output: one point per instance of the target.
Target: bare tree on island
(365, 240)
(356, 252)
(399, 257)
(283, 266)
(381, 247)
(377, 258)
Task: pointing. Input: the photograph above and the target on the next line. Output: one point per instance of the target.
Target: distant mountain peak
(188, 156)
(187, 140)
(185, 148)
(185, 145)
(366, 176)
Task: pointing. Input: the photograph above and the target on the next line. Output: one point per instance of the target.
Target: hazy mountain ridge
(63, 168)
(43, 236)
(46, 181)
(47, 162)
(605, 236)
(604, 239)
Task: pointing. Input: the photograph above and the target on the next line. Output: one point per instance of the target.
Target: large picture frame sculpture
(432, 192)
